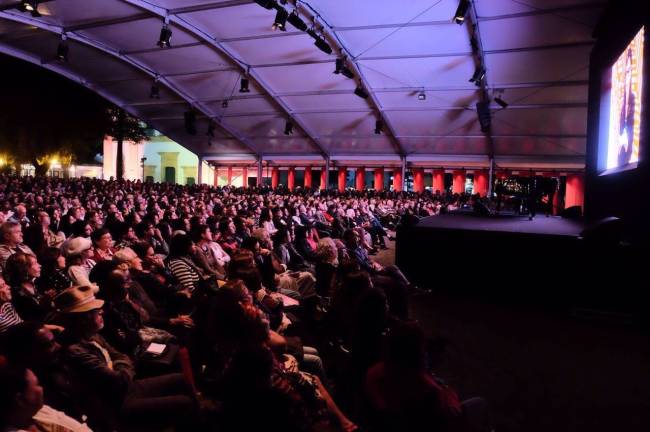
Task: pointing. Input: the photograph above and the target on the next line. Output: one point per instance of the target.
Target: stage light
(295, 20)
(165, 37)
(359, 91)
(484, 117)
(224, 104)
(190, 122)
(209, 142)
(323, 45)
(288, 128)
(211, 128)
(266, 4)
(459, 16)
(501, 102)
(154, 93)
(30, 6)
(479, 74)
(342, 69)
(243, 88)
(62, 50)
(422, 95)
(379, 125)
(280, 22)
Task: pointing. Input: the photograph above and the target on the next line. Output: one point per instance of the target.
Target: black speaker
(481, 209)
(574, 212)
(484, 117)
(190, 122)
(604, 231)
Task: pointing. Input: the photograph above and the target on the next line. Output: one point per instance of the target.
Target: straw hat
(77, 299)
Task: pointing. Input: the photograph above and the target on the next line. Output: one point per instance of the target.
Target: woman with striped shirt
(8, 315)
(181, 265)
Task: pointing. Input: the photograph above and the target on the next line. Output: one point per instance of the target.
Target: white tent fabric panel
(452, 144)
(362, 145)
(536, 59)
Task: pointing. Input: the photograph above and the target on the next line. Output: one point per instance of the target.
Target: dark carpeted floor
(539, 371)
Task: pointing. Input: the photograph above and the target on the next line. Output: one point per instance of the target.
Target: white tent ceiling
(536, 55)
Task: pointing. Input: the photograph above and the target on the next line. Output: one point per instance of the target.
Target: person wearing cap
(77, 253)
(163, 400)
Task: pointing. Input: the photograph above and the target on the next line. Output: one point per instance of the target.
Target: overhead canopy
(535, 54)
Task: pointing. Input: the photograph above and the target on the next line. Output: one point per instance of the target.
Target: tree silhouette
(124, 127)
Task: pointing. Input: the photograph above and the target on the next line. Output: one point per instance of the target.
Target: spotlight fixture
(501, 102)
(62, 50)
(280, 22)
(295, 20)
(30, 6)
(165, 36)
(211, 128)
(459, 16)
(422, 95)
(379, 125)
(341, 68)
(484, 117)
(224, 104)
(288, 128)
(244, 86)
(319, 41)
(266, 4)
(479, 74)
(209, 142)
(359, 91)
(154, 93)
(322, 45)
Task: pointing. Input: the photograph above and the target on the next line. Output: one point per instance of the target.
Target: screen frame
(604, 103)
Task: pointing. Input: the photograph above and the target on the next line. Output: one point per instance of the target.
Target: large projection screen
(620, 121)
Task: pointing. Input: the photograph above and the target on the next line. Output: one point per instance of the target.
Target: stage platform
(541, 225)
(543, 261)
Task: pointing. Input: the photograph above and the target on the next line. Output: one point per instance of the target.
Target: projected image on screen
(625, 106)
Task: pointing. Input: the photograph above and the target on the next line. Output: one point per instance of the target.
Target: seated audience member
(155, 278)
(130, 264)
(53, 274)
(389, 278)
(20, 216)
(22, 407)
(326, 267)
(81, 228)
(39, 236)
(126, 237)
(20, 272)
(181, 265)
(208, 254)
(34, 346)
(165, 400)
(147, 232)
(276, 378)
(11, 241)
(102, 245)
(8, 315)
(227, 239)
(404, 395)
(77, 252)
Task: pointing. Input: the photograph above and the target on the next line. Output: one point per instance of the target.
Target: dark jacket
(91, 367)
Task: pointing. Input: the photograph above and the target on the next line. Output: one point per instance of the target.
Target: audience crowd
(145, 306)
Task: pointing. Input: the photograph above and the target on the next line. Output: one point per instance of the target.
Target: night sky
(42, 95)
